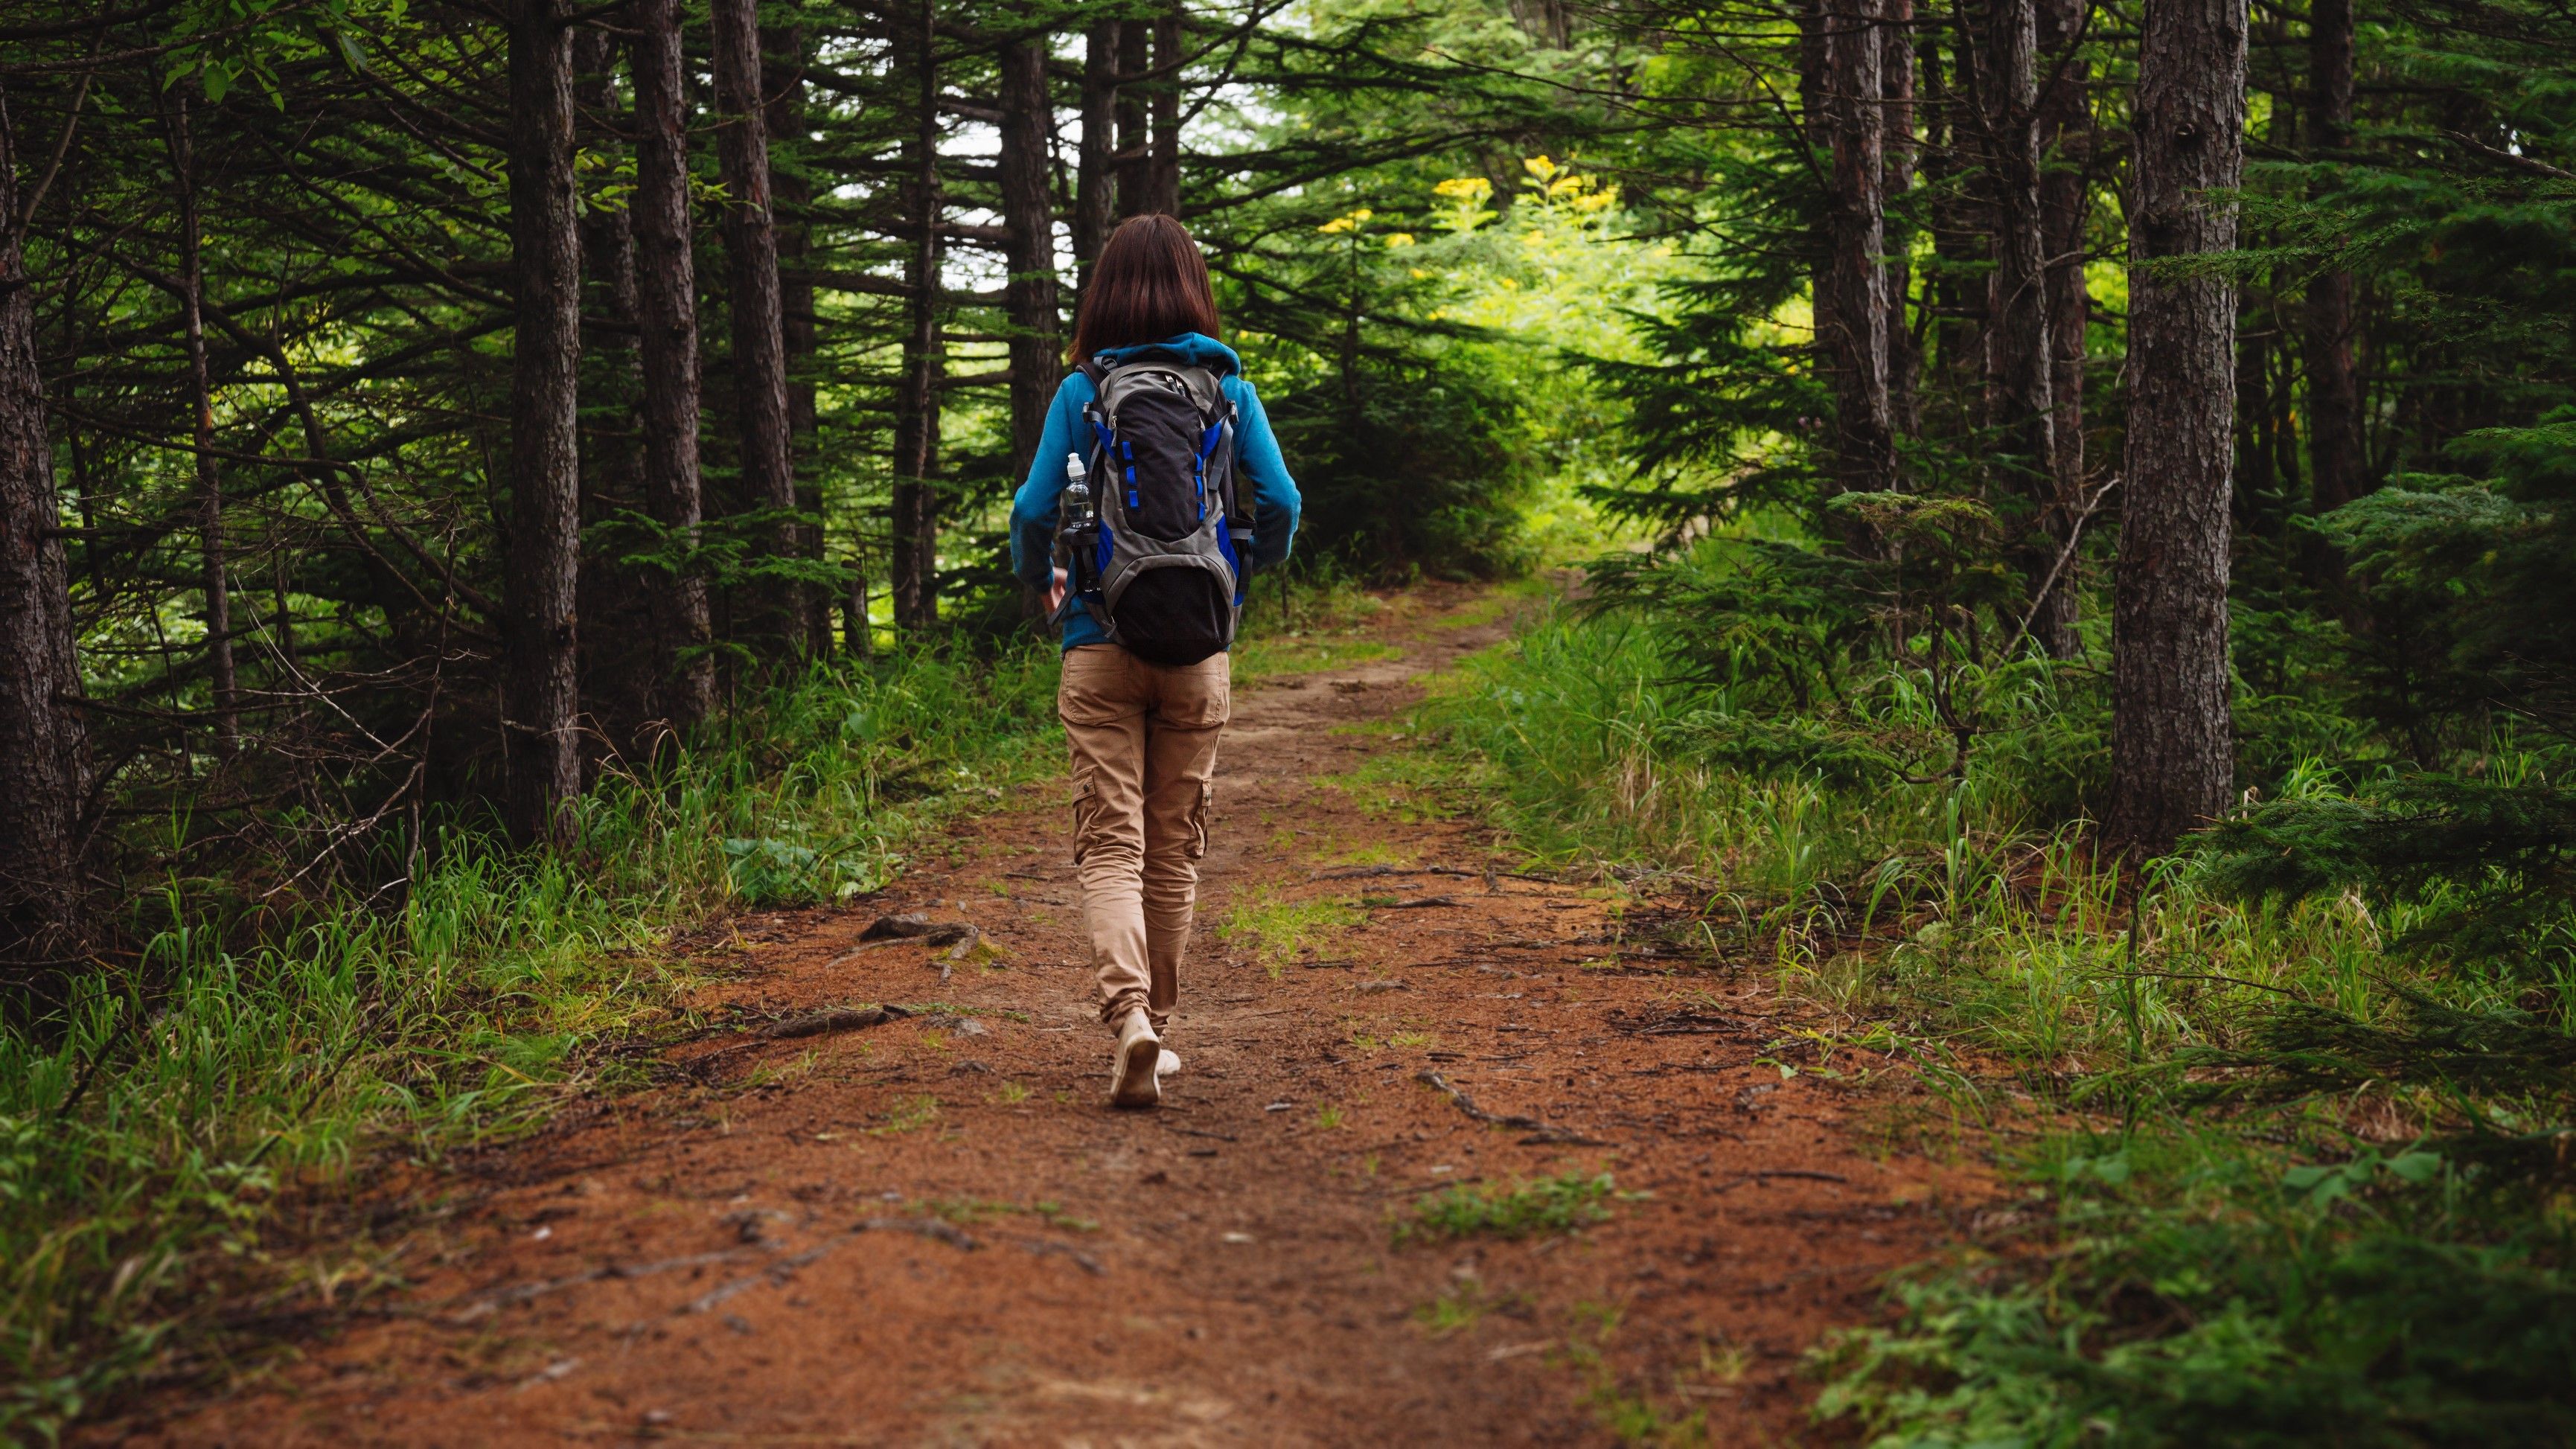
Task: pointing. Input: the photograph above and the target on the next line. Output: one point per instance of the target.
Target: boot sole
(1135, 1085)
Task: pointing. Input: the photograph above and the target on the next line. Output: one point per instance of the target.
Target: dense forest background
(2074, 498)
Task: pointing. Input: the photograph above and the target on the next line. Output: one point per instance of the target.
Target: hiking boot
(1133, 1069)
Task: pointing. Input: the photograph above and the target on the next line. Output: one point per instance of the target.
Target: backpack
(1162, 565)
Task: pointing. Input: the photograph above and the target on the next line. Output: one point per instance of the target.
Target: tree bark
(783, 79)
(2172, 756)
(913, 552)
(1163, 188)
(758, 310)
(1028, 213)
(667, 313)
(216, 582)
(2065, 209)
(1955, 221)
(2337, 465)
(1135, 139)
(538, 630)
(43, 756)
(2019, 374)
(1898, 146)
(1095, 200)
(617, 665)
(1852, 325)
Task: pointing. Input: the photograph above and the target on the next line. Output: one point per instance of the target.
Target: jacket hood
(1194, 348)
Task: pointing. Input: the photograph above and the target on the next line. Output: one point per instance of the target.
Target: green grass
(241, 1062)
(1275, 930)
(2221, 1267)
(1523, 1209)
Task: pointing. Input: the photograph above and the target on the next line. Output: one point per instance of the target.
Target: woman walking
(1156, 491)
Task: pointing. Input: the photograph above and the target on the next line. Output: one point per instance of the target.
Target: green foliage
(2488, 860)
(2210, 1299)
(1524, 1209)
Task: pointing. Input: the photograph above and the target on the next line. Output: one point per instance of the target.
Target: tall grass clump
(2289, 1110)
(233, 1061)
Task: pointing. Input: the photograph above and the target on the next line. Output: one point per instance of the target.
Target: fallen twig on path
(778, 1272)
(838, 1018)
(1767, 1174)
(948, 1233)
(491, 1300)
(1541, 1132)
(1081, 1259)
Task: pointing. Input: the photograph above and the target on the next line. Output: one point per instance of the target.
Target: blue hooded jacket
(1256, 461)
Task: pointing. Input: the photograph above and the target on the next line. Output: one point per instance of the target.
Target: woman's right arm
(1033, 508)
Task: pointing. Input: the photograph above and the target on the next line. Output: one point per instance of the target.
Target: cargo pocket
(1199, 819)
(1086, 804)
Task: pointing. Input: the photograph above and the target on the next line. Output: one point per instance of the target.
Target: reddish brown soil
(935, 1230)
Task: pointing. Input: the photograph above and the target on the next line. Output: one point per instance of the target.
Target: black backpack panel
(1158, 464)
(1175, 616)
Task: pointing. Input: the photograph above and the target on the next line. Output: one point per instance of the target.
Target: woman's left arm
(1275, 502)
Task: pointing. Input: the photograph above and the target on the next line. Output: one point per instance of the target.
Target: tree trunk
(216, 580)
(1095, 200)
(2337, 468)
(1896, 88)
(2172, 757)
(1163, 190)
(1135, 141)
(667, 312)
(1852, 328)
(759, 338)
(784, 84)
(43, 759)
(2018, 371)
(540, 681)
(914, 550)
(1958, 231)
(617, 665)
(1028, 213)
(2065, 209)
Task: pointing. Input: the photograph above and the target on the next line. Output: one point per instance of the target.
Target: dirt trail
(934, 1230)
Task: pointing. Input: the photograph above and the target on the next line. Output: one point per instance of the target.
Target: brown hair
(1149, 283)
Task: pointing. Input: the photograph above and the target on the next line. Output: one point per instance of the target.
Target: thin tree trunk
(759, 338)
(43, 755)
(1135, 140)
(540, 680)
(2065, 208)
(667, 311)
(216, 580)
(617, 664)
(1852, 330)
(856, 631)
(1896, 87)
(1958, 234)
(784, 84)
(2172, 757)
(914, 553)
(1028, 213)
(1095, 199)
(2018, 367)
(1163, 191)
(2337, 470)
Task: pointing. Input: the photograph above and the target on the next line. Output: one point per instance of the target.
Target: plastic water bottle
(1077, 493)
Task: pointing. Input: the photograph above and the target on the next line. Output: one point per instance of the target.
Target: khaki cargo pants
(1144, 754)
